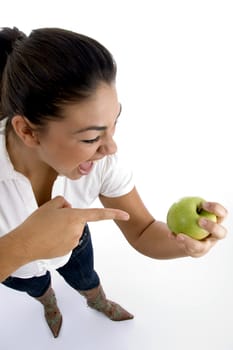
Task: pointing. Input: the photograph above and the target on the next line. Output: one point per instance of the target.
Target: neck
(25, 159)
(27, 162)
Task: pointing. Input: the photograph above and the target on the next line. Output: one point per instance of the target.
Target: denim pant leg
(79, 271)
(34, 286)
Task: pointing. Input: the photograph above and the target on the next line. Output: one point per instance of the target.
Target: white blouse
(109, 177)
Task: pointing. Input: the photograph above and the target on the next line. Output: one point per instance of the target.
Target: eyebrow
(96, 127)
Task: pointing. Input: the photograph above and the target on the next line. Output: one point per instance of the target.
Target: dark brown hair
(51, 67)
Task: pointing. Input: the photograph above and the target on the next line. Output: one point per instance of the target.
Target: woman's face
(71, 145)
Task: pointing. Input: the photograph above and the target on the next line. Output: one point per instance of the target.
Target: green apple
(183, 216)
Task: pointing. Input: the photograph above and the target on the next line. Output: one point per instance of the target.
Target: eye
(92, 140)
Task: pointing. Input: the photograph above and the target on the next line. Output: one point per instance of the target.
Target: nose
(108, 147)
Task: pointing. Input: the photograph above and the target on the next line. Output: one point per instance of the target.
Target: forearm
(12, 254)
(155, 243)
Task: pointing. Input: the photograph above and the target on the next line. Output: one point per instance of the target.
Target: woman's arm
(153, 238)
(52, 230)
(12, 254)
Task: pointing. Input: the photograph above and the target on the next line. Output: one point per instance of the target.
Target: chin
(74, 175)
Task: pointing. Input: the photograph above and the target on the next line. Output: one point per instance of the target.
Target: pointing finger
(97, 214)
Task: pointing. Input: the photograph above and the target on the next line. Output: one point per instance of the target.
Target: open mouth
(85, 167)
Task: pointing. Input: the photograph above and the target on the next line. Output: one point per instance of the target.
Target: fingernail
(203, 221)
(205, 205)
(125, 216)
(180, 238)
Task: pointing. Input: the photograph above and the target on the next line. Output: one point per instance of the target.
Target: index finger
(97, 214)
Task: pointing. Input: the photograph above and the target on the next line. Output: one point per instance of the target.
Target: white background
(175, 82)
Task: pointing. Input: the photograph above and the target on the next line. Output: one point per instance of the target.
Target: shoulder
(115, 162)
(7, 170)
(117, 176)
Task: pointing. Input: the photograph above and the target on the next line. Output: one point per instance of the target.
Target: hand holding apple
(183, 217)
(213, 229)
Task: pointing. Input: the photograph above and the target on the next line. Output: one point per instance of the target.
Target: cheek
(72, 155)
(56, 152)
(65, 151)
(85, 151)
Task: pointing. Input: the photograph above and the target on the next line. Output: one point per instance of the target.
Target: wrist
(18, 245)
(12, 254)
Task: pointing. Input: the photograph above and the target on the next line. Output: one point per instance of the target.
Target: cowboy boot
(51, 311)
(96, 299)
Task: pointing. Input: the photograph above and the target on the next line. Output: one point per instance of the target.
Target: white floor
(175, 83)
(178, 304)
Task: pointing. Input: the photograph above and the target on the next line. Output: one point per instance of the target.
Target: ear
(25, 131)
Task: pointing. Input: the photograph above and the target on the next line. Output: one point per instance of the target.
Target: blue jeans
(78, 272)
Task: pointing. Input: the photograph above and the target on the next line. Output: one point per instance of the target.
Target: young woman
(59, 109)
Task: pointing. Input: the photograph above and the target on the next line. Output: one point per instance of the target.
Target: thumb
(58, 202)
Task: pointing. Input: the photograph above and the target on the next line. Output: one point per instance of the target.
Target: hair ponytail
(8, 39)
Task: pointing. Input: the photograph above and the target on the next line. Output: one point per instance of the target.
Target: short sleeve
(117, 177)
